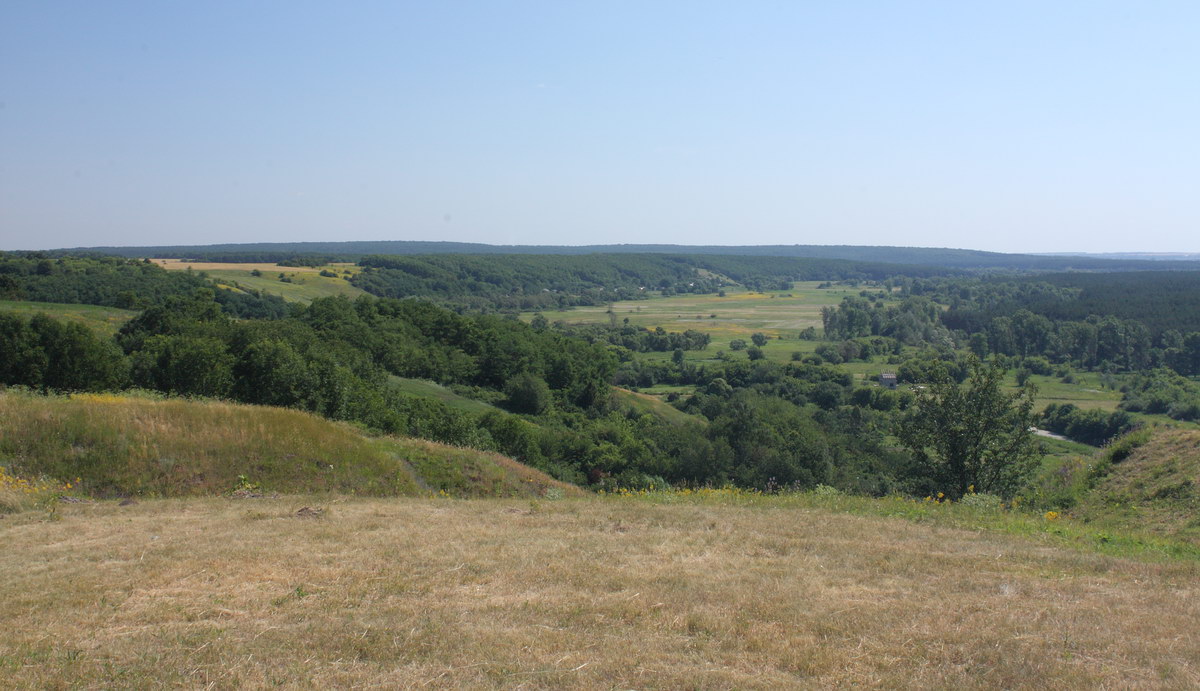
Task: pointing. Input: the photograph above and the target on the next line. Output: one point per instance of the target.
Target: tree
(759, 339)
(527, 393)
(973, 434)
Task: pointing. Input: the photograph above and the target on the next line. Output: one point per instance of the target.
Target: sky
(1008, 126)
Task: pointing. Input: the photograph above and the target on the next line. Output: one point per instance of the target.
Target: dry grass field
(593, 593)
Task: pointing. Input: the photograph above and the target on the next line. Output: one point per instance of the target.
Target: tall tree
(971, 434)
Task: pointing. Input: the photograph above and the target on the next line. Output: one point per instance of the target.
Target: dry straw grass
(580, 593)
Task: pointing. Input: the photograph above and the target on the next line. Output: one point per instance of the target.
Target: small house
(888, 380)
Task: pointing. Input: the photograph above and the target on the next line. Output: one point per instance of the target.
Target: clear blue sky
(1009, 126)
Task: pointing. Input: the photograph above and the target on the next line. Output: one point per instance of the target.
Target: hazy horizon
(1016, 127)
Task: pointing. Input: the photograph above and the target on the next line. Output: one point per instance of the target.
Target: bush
(1122, 448)
(527, 393)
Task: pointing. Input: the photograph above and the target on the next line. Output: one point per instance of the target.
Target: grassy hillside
(103, 320)
(302, 284)
(599, 593)
(654, 405)
(1156, 488)
(117, 445)
(428, 389)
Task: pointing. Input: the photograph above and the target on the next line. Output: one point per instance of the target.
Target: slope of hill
(105, 321)
(110, 445)
(645, 403)
(1156, 488)
(929, 256)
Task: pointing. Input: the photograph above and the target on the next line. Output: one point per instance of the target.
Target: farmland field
(737, 315)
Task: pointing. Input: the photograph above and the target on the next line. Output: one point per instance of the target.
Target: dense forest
(114, 282)
(527, 282)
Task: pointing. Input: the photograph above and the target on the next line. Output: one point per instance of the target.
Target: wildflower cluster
(23, 493)
(99, 397)
(42, 486)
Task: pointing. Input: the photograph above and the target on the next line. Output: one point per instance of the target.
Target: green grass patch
(985, 514)
(300, 286)
(428, 389)
(654, 404)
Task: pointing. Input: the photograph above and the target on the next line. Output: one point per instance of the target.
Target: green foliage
(47, 354)
(1095, 427)
(1162, 391)
(636, 339)
(184, 365)
(122, 283)
(527, 393)
(971, 435)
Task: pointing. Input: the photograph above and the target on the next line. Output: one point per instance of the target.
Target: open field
(1084, 392)
(103, 320)
(265, 267)
(573, 594)
(306, 282)
(738, 314)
